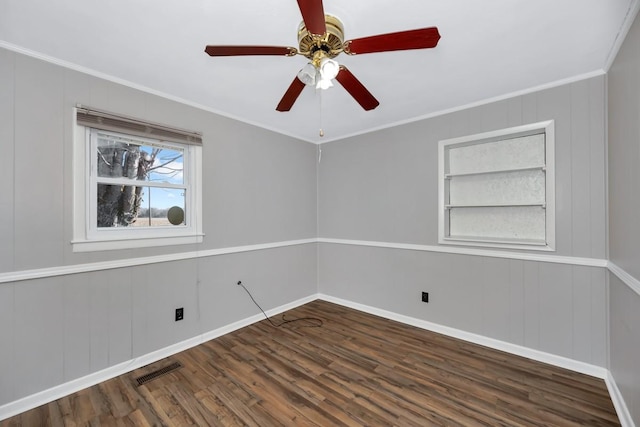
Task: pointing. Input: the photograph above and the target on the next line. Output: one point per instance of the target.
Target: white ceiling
(488, 50)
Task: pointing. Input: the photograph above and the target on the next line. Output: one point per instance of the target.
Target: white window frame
(87, 237)
(546, 128)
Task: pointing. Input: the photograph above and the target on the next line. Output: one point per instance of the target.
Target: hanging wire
(320, 112)
(311, 322)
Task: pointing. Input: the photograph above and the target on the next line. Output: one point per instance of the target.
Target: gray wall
(259, 187)
(625, 343)
(624, 216)
(383, 187)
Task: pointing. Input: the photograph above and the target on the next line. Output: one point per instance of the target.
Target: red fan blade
(313, 16)
(423, 38)
(291, 95)
(356, 89)
(250, 50)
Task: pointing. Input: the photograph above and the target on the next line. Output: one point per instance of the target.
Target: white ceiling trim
(117, 80)
(515, 94)
(634, 8)
(98, 74)
(487, 52)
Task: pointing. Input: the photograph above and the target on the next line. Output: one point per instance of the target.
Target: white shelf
(524, 205)
(453, 175)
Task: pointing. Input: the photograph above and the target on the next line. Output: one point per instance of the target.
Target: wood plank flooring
(354, 370)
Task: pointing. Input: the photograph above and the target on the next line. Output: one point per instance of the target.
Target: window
(135, 186)
(497, 189)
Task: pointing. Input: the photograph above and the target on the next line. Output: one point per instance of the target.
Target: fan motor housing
(330, 42)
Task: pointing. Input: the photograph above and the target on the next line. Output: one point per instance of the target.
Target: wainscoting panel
(544, 306)
(55, 330)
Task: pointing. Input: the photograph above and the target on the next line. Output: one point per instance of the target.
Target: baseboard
(33, 401)
(540, 356)
(618, 402)
(49, 395)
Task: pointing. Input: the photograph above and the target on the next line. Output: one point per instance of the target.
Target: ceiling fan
(320, 39)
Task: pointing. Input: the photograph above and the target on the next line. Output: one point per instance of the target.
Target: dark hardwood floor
(354, 370)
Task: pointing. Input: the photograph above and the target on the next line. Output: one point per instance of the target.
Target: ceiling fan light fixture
(324, 84)
(328, 69)
(320, 39)
(308, 74)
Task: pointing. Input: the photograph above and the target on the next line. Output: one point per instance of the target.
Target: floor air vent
(157, 373)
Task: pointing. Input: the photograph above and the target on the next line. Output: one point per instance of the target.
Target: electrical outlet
(425, 297)
(179, 313)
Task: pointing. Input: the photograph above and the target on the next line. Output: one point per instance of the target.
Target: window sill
(115, 244)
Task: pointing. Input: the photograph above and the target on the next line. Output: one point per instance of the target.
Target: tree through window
(138, 182)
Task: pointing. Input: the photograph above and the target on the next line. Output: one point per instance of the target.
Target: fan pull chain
(321, 133)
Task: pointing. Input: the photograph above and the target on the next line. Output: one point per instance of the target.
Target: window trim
(87, 240)
(546, 127)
